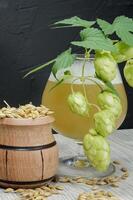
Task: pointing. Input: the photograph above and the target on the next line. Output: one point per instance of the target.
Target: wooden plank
(3, 169)
(50, 162)
(21, 165)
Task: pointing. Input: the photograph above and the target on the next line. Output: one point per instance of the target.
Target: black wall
(26, 40)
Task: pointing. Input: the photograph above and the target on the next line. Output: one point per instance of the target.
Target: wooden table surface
(121, 149)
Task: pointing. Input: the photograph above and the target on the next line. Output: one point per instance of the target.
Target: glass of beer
(70, 124)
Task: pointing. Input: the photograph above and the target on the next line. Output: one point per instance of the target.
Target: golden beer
(67, 122)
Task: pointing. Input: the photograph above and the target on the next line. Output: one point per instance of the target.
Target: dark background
(26, 40)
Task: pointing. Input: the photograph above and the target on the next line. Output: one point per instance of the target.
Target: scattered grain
(116, 162)
(38, 193)
(99, 195)
(9, 190)
(123, 169)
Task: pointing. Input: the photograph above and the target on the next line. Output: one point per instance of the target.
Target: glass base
(79, 166)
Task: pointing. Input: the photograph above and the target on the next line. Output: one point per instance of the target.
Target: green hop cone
(128, 72)
(104, 122)
(125, 52)
(97, 150)
(78, 104)
(105, 66)
(108, 100)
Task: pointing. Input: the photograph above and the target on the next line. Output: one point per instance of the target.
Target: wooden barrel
(28, 152)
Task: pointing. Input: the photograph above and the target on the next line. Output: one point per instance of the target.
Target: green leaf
(56, 84)
(94, 39)
(122, 25)
(108, 86)
(37, 68)
(91, 32)
(64, 60)
(111, 88)
(106, 27)
(67, 75)
(75, 22)
(124, 29)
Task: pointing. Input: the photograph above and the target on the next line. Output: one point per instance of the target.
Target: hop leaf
(124, 28)
(64, 60)
(106, 27)
(97, 150)
(78, 104)
(104, 122)
(75, 22)
(108, 100)
(93, 38)
(122, 25)
(105, 66)
(128, 72)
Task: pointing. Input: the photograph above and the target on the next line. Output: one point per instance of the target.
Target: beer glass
(72, 125)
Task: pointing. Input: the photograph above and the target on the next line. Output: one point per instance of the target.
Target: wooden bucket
(28, 152)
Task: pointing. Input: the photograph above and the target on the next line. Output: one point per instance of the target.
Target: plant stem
(90, 104)
(72, 84)
(85, 92)
(93, 80)
(83, 68)
(96, 106)
(87, 55)
(39, 68)
(83, 80)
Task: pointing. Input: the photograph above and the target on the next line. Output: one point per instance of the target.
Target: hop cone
(104, 122)
(105, 66)
(97, 150)
(128, 72)
(108, 100)
(78, 104)
(125, 52)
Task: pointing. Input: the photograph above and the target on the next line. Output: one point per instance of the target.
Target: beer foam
(89, 70)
